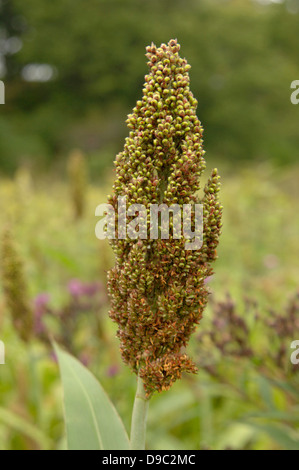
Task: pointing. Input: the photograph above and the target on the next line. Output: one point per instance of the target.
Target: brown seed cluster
(157, 287)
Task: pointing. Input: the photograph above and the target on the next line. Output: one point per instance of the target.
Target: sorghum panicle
(157, 288)
(15, 287)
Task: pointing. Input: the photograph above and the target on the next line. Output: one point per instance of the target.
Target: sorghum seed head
(157, 288)
(15, 287)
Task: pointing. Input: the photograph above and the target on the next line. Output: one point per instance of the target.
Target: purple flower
(42, 300)
(40, 308)
(92, 288)
(77, 288)
(113, 370)
(85, 359)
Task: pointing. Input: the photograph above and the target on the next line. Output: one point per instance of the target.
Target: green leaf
(266, 391)
(21, 425)
(92, 423)
(285, 436)
(61, 257)
(285, 386)
(291, 416)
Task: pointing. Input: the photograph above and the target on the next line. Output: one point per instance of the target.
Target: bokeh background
(73, 70)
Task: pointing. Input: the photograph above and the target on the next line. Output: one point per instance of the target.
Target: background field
(72, 73)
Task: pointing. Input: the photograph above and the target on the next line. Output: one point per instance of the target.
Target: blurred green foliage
(249, 403)
(244, 56)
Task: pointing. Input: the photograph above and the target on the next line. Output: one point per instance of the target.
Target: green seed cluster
(157, 287)
(15, 287)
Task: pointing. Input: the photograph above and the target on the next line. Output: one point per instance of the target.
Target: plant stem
(139, 416)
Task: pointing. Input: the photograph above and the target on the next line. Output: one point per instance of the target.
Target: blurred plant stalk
(78, 179)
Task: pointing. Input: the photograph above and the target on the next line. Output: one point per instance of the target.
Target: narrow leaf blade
(92, 423)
